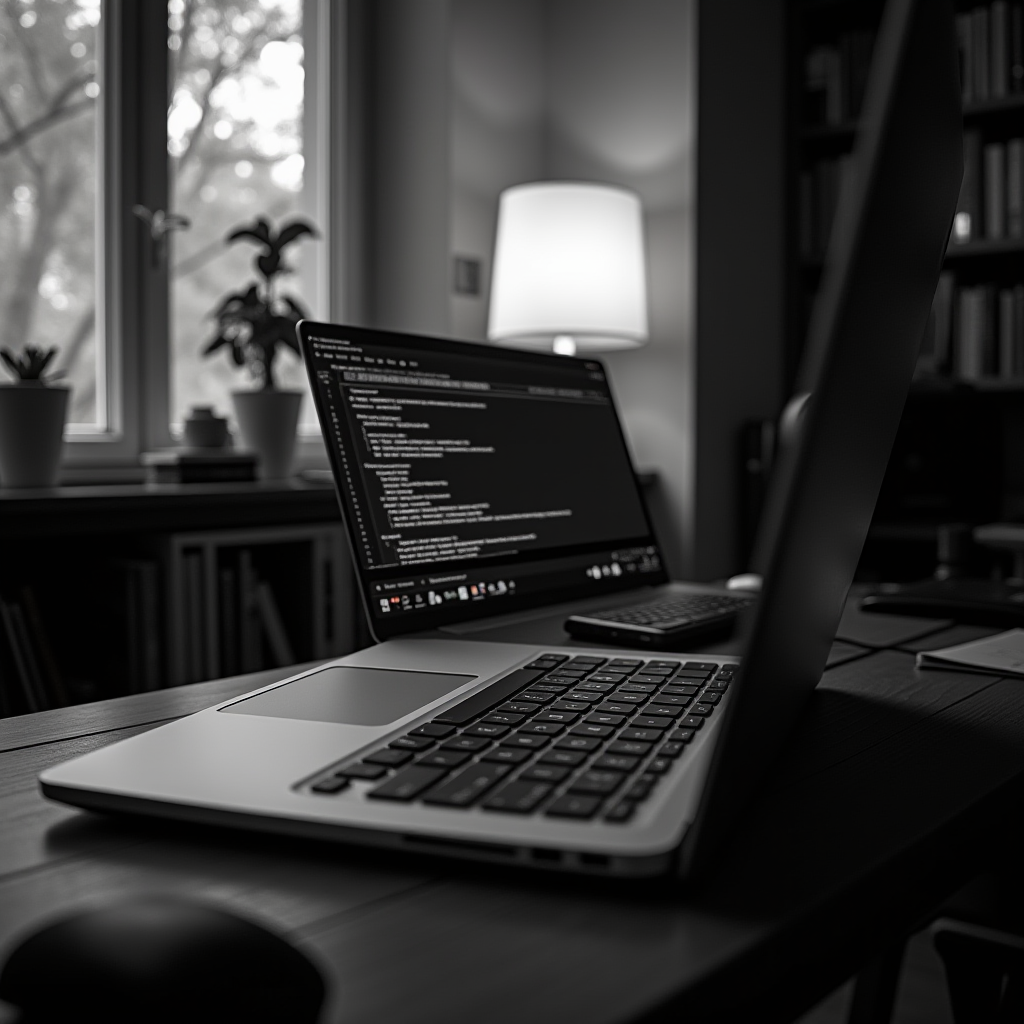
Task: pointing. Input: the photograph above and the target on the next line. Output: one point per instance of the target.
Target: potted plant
(252, 325)
(32, 412)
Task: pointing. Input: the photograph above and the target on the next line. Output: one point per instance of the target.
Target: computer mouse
(160, 959)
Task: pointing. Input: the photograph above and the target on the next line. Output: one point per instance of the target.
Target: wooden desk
(896, 788)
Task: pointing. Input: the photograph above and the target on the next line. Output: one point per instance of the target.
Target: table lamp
(569, 271)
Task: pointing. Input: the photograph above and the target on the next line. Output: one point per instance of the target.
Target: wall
(467, 97)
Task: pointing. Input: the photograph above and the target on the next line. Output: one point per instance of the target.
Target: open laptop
(586, 759)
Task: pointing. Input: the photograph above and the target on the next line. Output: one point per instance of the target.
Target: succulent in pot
(32, 414)
(252, 327)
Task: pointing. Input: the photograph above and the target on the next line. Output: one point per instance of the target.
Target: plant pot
(31, 433)
(267, 422)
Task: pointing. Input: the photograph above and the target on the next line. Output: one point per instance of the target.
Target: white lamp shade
(569, 260)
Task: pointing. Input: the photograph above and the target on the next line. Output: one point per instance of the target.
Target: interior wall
(621, 110)
(467, 97)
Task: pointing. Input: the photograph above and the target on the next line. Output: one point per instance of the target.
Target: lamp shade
(569, 264)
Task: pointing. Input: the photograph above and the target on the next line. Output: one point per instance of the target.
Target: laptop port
(594, 860)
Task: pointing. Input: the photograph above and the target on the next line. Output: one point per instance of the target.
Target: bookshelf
(962, 437)
(111, 590)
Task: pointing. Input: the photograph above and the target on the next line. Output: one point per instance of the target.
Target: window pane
(235, 142)
(49, 84)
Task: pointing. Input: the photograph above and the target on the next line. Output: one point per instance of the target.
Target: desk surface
(893, 792)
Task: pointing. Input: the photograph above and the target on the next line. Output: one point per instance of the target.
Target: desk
(896, 788)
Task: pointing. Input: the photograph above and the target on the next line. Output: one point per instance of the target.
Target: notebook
(585, 759)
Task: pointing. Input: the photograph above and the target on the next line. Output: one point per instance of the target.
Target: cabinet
(961, 441)
(112, 590)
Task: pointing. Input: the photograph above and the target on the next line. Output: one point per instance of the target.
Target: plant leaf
(295, 229)
(217, 343)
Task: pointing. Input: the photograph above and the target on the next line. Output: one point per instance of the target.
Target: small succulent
(252, 325)
(29, 367)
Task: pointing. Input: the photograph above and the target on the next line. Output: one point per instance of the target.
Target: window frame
(133, 314)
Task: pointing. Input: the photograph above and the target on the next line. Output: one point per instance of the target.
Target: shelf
(944, 385)
(993, 108)
(985, 247)
(150, 508)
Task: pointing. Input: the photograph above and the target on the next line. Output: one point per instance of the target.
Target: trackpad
(351, 696)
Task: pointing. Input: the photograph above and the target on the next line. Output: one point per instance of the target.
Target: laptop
(587, 759)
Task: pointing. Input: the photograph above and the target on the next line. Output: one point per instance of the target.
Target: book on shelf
(967, 220)
(835, 77)
(1015, 188)
(994, 190)
(965, 54)
(999, 45)
(229, 610)
(1016, 48)
(980, 42)
(273, 626)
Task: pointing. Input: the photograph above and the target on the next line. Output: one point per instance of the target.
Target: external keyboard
(575, 738)
(676, 612)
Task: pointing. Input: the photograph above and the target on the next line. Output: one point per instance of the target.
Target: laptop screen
(475, 480)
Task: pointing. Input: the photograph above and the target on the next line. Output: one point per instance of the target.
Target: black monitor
(887, 247)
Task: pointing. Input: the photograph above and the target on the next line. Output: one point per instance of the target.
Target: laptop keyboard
(676, 612)
(579, 738)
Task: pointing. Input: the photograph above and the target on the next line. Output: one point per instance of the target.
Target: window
(49, 158)
(211, 110)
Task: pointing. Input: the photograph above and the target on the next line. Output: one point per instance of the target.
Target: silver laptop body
(254, 761)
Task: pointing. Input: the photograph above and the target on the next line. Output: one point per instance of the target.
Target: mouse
(160, 959)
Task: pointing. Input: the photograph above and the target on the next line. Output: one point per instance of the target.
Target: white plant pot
(31, 433)
(267, 422)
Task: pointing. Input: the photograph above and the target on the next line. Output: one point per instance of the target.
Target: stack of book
(199, 466)
(990, 40)
(976, 332)
(991, 204)
(29, 677)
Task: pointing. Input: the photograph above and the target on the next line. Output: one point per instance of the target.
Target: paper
(1002, 654)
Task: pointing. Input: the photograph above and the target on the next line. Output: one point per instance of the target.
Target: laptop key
(641, 677)
(703, 710)
(492, 729)
(408, 783)
(625, 696)
(542, 728)
(592, 729)
(617, 762)
(565, 717)
(519, 797)
(498, 692)
(525, 741)
(335, 784)
(390, 758)
(600, 718)
(517, 708)
(503, 718)
(599, 783)
(631, 748)
(680, 691)
(569, 758)
(670, 665)
(569, 705)
(607, 677)
(363, 771)
(691, 722)
(643, 735)
(613, 707)
(549, 688)
(545, 773)
(584, 696)
(470, 743)
(574, 806)
(467, 785)
(506, 755)
(660, 765)
(664, 710)
(709, 697)
(535, 697)
(411, 743)
(443, 759)
(433, 729)
(586, 743)
(672, 699)
(671, 749)
(589, 685)
(682, 736)
(651, 722)
(707, 666)
(622, 811)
